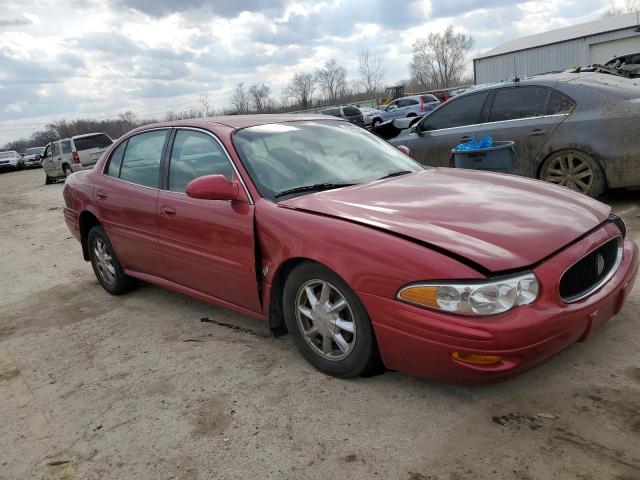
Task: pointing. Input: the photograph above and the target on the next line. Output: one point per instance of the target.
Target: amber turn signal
(475, 358)
(421, 295)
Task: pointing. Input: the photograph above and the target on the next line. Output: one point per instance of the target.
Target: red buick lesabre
(366, 258)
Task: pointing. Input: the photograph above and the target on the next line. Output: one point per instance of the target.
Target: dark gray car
(579, 130)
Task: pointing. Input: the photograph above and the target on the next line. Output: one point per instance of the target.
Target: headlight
(473, 298)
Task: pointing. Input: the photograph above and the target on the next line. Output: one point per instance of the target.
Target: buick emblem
(600, 264)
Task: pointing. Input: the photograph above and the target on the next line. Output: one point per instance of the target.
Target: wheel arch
(584, 149)
(276, 323)
(86, 221)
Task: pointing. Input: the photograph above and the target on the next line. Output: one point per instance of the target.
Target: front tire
(106, 265)
(47, 179)
(328, 323)
(575, 170)
(376, 122)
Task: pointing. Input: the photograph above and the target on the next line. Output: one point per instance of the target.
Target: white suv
(63, 157)
(10, 160)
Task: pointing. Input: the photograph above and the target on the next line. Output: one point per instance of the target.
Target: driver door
(206, 245)
(454, 122)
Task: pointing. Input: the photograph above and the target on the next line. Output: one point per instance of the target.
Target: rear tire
(106, 265)
(376, 122)
(67, 170)
(47, 179)
(335, 333)
(575, 170)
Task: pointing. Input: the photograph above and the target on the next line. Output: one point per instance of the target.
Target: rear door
(454, 122)
(206, 245)
(90, 148)
(521, 114)
(126, 194)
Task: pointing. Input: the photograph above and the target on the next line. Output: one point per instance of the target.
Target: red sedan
(363, 256)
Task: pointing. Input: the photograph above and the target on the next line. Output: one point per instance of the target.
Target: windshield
(284, 156)
(34, 151)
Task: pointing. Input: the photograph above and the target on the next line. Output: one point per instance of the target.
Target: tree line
(438, 61)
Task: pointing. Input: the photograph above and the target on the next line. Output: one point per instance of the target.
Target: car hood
(499, 222)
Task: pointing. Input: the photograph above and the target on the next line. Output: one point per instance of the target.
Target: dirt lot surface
(138, 386)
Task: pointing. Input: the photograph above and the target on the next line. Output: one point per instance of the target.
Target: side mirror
(212, 187)
(406, 150)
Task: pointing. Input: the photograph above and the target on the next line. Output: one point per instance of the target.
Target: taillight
(422, 104)
(74, 157)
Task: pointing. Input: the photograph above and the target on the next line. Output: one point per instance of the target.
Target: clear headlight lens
(474, 298)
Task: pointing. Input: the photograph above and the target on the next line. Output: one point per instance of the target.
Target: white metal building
(583, 44)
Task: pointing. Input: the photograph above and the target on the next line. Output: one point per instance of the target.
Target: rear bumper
(420, 341)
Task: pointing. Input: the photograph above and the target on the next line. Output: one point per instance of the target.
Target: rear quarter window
(95, 141)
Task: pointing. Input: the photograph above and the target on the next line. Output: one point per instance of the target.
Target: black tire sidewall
(122, 283)
(364, 355)
(67, 170)
(598, 185)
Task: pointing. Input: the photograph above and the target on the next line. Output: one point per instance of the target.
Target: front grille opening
(591, 271)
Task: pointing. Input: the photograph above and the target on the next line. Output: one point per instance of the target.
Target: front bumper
(420, 341)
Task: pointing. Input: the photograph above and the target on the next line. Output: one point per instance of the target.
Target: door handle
(167, 211)
(537, 132)
(101, 194)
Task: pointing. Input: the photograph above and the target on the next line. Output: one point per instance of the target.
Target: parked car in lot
(63, 157)
(31, 157)
(406, 107)
(368, 114)
(10, 160)
(326, 231)
(578, 130)
(350, 113)
(629, 64)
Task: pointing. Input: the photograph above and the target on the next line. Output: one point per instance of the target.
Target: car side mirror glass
(406, 150)
(212, 187)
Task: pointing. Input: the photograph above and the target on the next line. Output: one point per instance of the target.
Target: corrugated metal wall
(559, 56)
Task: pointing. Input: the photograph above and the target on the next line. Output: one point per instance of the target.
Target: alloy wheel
(325, 319)
(104, 261)
(571, 170)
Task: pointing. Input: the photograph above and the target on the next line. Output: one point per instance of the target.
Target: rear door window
(559, 103)
(193, 155)
(456, 113)
(141, 161)
(518, 102)
(65, 146)
(94, 141)
(407, 102)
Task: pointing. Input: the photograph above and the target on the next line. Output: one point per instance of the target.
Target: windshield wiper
(396, 174)
(318, 187)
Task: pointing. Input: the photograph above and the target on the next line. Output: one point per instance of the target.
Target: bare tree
(440, 59)
(240, 99)
(371, 72)
(260, 97)
(332, 80)
(206, 104)
(301, 88)
(629, 7)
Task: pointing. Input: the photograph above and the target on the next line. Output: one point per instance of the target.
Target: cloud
(221, 8)
(15, 22)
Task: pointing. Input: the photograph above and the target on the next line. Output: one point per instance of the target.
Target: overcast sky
(95, 58)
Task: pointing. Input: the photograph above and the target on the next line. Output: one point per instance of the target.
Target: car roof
(237, 122)
(88, 135)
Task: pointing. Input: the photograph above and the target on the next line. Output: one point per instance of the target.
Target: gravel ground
(94, 386)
